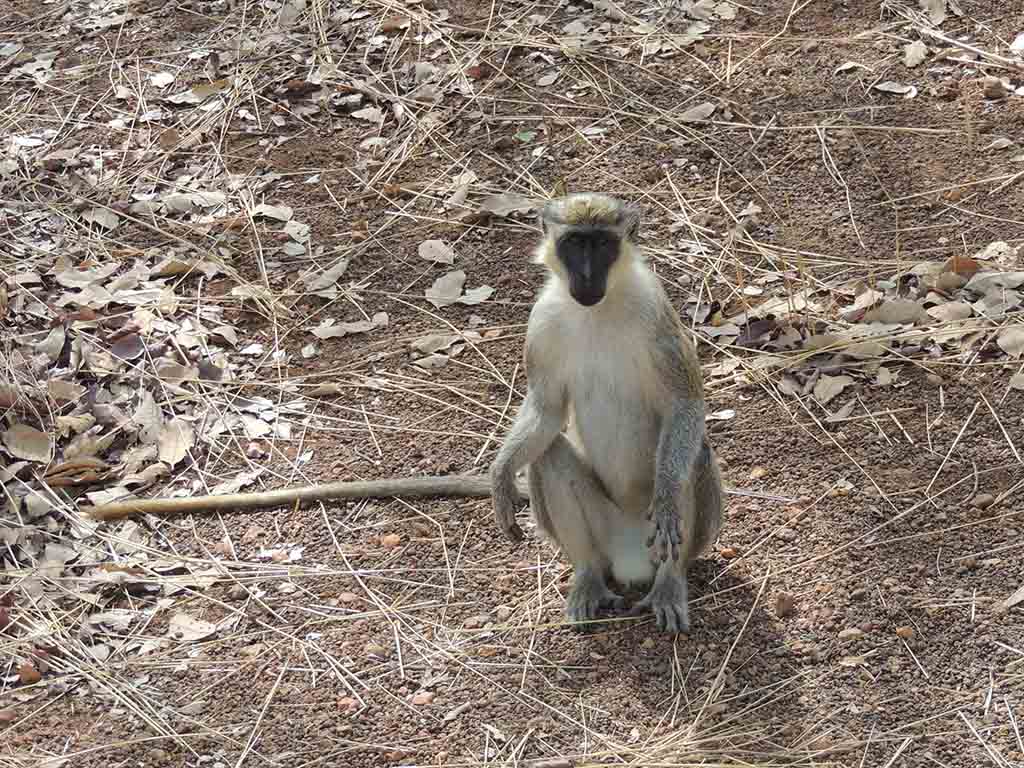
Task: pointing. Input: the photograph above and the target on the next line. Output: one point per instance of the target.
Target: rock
(905, 632)
(995, 88)
(423, 697)
(983, 500)
(784, 604)
(853, 633)
(390, 540)
(729, 553)
(348, 597)
(787, 534)
(503, 613)
(474, 622)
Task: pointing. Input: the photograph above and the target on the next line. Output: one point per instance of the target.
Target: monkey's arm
(539, 422)
(679, 444)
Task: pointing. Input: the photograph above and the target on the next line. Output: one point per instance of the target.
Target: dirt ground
(853, 611)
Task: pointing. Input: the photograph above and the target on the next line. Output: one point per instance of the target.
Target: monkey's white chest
(616, 416)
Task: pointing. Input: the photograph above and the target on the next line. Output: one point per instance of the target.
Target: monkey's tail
(468, 486)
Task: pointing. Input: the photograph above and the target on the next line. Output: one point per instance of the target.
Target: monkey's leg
(700, 521)
(572, 509)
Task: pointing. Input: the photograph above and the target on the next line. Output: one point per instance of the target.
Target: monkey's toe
(672, 619)
(588, 597)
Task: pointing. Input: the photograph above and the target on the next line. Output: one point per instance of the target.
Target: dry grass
(131, 564)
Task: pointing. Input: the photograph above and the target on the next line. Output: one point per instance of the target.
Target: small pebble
(995, 89)
(503, 613)
(853, 633)
(375, 650)
(423, 697)
(905, 632)
(934, 379)
(729, 553)
(983, 500)
(390, 540)
(787, 534)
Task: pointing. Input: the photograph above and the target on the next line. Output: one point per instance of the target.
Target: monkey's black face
(588, 255)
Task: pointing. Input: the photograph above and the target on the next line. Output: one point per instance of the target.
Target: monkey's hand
(665, 537)
(505, 499)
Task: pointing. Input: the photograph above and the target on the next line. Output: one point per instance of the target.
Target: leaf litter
(181, 362)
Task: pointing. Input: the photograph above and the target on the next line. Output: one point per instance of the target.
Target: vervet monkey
(606, 354)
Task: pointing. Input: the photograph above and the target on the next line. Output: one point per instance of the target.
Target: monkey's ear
(631, 221)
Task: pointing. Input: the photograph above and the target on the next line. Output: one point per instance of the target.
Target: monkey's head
(587, 239)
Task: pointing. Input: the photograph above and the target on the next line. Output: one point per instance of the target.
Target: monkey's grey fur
(612, 425)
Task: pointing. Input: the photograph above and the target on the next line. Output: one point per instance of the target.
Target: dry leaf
(431, 362)
(369, 114)
(896, 312)
(846, 66)
(436, 251)
(954, 310)
(53, 344)
(891, 86)
(176, 439)
(331, 330)
(186, 629)
(28, 674)
(279, 212)
(1010, 340)
(315, 280)
(161, 79)
(476, 295)
(936, 10)
(28, 443)
(103, 217)
(446, 289)
(437, 342)
(148, 419)
(961, 265)
(829, 387)
(699, 112)
(503, 205)
(914, 53)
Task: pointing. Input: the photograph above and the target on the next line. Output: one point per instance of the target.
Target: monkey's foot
(589, 595)
(667, 600)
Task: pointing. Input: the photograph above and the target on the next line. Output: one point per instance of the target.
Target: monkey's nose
(588, 298)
